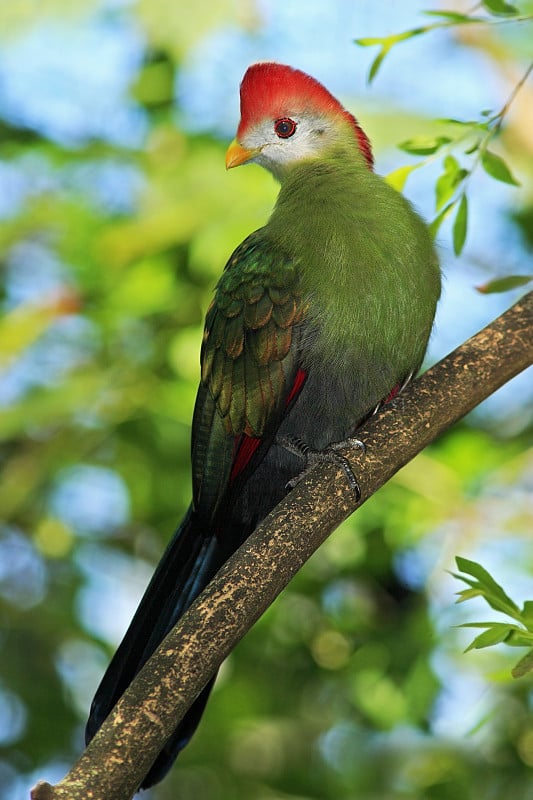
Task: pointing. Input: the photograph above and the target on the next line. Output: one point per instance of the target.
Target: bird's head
(288, 117)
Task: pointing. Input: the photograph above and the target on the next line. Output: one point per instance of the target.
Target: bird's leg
(330, 455)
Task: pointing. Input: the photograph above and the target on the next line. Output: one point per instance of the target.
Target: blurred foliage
(353, 684)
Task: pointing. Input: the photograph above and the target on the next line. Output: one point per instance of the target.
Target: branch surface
(119, 756)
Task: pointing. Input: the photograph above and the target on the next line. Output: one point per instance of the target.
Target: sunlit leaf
(451, 165)
(398, 177)
(424, 145)
(496, 167)
(460, 226)
(447, 183)
(500, 8)
(504, 284)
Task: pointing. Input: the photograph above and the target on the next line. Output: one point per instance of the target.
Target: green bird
(319, 317)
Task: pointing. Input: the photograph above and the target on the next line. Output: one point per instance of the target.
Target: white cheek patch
(311, 137)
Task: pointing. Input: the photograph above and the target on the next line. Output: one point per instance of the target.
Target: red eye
(284, 127)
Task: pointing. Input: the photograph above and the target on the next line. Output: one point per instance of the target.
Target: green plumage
(248, 335)
(368, 269)
(342, 283)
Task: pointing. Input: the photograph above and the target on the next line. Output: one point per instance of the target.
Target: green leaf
(504, 284)
(398, 177)
(472, 148)
(500, 8)
(527, 615)
(492, 591)
(439, 219)
(520, 638)
(460, 226)
(468, 594)
(468, 123)
(496, 167)
(453, 16)
(524, 666)
(481, 574)
(376, 64)
(497, 633)
(469, 581)
(424, 145)
(451, 165)
(448, 182)
(515, 636)
(387, 43)
(482, 624)
(370, 41)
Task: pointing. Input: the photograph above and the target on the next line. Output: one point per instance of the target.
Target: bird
(319, 317)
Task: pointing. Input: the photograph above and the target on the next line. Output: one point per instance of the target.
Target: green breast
(367, 265)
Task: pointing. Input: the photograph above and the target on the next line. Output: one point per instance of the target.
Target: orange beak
(236, 154)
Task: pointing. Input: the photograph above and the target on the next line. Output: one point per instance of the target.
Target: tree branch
(128, 742)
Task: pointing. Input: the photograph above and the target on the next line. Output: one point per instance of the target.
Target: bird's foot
(330, 455)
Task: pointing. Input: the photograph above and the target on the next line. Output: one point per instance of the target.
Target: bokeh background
(116, 217)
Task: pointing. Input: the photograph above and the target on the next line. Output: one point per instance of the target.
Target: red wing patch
(245, 446)
(299, 381)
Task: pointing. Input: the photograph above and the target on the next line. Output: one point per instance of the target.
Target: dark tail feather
(187, 566)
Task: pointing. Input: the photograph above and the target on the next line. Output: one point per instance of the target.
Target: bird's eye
(284, 127)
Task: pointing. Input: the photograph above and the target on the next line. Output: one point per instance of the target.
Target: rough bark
(119, 756)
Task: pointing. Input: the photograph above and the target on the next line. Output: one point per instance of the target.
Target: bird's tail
(190, 561)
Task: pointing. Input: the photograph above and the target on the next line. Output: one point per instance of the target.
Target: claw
(350, 477)
(351, 441)
(330, 454)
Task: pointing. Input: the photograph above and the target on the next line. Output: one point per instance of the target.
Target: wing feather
(249, 360)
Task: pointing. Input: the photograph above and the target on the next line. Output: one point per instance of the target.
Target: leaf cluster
(473, 139)
(518, 633)
(496, 11)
